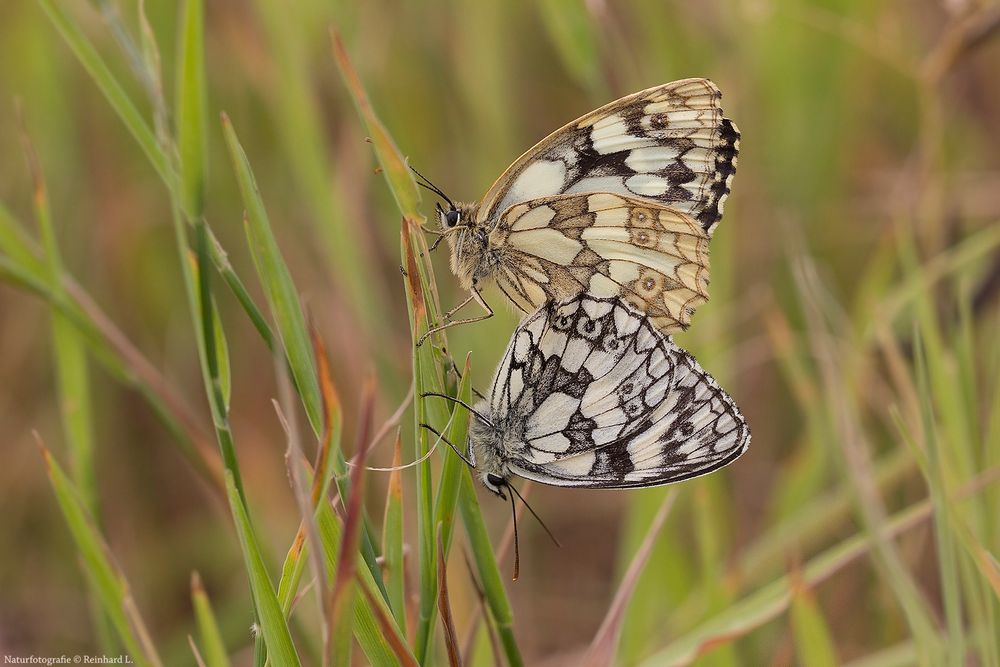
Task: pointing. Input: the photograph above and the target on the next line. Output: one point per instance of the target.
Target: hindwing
(600, 398)
(653, 257)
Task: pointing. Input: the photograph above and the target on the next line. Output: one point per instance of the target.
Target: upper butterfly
(619, 203)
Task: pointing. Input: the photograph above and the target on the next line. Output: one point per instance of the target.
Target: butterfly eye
(452, 217)
(495, 480)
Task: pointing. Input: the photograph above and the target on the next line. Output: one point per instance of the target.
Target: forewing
(653, 257)
(669, 145)
(628, 407)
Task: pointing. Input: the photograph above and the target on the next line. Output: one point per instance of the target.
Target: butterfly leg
(474, 296)
(436, 243)
(436, 232)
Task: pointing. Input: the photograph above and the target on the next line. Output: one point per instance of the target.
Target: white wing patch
(540, 178)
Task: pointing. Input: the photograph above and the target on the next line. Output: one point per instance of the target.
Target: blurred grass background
(856, 279)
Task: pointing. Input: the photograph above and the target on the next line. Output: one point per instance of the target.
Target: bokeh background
(854, 310)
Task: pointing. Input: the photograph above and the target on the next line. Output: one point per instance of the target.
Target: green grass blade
(112, 90)
(813, 641)
(426, 545)
(343, 594)
(444, 605)
(18, 246)
(389, 630)
(276, 279)
(72, 376)
(486, 566)
(770, 600)
(148, 142)
(450, 480)
(427, 378)
(394, 169)
(931, 461)
(393, 537)
(449, 484)
(284, 303)
(271, 620)
(191, 110)
(69, 348)
(108, 580)
(373, 638)
(604, 646)
(213, 648)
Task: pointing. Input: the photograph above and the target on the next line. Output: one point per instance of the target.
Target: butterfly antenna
(427, 183)
(449, 443)
(465, 405)
(513, 516)
(534, 514)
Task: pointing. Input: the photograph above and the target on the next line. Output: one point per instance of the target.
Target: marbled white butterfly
(619, 203)
(591, 394)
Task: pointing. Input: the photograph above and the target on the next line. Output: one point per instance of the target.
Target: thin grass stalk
(605, 643)
(283, 300)
(294, 460)
(123, 361)
(943, 533)
(103, 572)
(69, 350)
(855, 451)
(486, 567)
(342, 595)
(770, 600)
(152, 143)
(394, 574)
(271, 627)
(481, 612)
(444, 605)
(814, 644)
(72, 375)
(215, 654)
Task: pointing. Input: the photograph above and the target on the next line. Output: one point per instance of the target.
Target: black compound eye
(495, 480)
(452, 217)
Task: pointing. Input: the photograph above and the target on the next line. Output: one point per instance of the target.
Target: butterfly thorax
(491, 444)
(474, 256)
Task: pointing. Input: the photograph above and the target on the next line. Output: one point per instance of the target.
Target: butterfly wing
(608, 245)
(669, 145)
(606, 401)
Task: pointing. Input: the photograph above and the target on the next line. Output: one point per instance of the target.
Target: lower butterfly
(590, 394)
